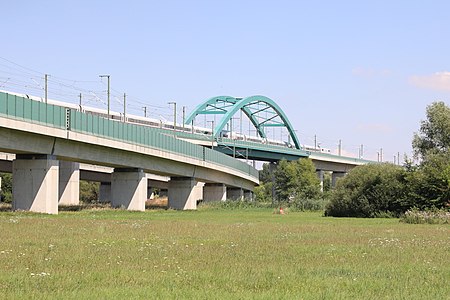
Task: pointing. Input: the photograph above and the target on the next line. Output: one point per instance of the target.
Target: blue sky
(359, 71)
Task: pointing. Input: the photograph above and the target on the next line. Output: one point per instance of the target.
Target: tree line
(372, 190)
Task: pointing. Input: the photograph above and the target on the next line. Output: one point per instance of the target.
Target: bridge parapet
(20, 108)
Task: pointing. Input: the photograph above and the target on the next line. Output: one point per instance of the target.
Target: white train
(119, 116)
(241, 137)
(169, 125)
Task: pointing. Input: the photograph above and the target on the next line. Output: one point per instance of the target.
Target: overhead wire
(25, 79)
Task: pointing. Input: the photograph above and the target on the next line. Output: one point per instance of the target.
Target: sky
(361, 72)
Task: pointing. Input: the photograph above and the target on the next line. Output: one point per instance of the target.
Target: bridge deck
(20, 108)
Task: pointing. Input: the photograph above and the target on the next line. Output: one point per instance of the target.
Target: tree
(429, 183)
(430, 180)
(327, 182)
(434, 133)
(296, 181)
(285, 177)
(263, 192)
(265, 175)
(307, 184)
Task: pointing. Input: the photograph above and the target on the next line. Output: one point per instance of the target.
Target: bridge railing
(261, 146)
(330, 157)
(37, 112)
(16, 107)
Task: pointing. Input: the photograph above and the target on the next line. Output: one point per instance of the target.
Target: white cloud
(439, 81)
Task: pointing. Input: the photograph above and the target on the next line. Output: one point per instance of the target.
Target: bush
(6, 188)
(234, 204)
(368, 191)
(316, 204)
(89, 191)
(263, 193)
(428, 216)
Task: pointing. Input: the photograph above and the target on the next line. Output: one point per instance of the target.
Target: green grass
(220, 254)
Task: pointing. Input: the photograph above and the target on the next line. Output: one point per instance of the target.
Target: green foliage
(434, 135)
(89, 191)
(369, 190)
(6, 188)
(386, 190)
(307, 182)
(265, 176)
(314, 204)
(285, 181)
(327, 182)
(263, 193)
(429, 183)
(233, 204)
(296, 184)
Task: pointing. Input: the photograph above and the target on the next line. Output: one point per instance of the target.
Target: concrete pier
(104, 193)
(335, 176)
(69, 183)
(235, 193)
(214, 192)
(129, 188)
(320, 175)
(183, 193)
(35, 183)
(248, 195)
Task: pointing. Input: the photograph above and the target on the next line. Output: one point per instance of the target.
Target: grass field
(219, 254)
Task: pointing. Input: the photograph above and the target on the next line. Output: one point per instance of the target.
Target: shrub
(263, 193)
(89, 191)
(234, 204)
(6, 188)
(428, 216)
(368, 191)
(315, 204)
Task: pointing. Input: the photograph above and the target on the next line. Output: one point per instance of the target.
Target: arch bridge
(262, 112)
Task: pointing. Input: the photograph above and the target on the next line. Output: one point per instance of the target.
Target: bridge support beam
(35, 183)
(335, 176)
(320, 174)
(69, 183)
(235, 193)
(248, 195)
(214, 192)
(183, 193)
(129, 188)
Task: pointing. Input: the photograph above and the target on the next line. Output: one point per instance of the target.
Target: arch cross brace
(228, 106)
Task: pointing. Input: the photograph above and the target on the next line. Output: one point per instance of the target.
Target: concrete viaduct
(51, 141)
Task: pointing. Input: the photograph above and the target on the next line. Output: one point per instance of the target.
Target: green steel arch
(228, 106)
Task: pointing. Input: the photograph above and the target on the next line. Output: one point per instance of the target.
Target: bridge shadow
(84, 206)
(105, 206)
(149, 205)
